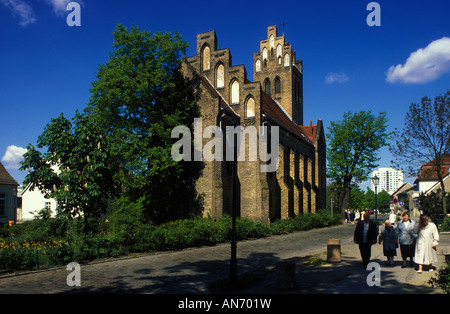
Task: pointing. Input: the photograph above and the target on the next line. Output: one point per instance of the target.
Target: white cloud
(336, 78)
(20, 9)
(12, 157)
(423, 65)
(60, 6)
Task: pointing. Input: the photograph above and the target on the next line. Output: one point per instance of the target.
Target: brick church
(274, 98)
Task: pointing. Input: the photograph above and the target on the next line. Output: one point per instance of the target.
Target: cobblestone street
(193, 270)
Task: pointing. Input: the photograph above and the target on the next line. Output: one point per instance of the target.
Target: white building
(31, 202)
(390, 179)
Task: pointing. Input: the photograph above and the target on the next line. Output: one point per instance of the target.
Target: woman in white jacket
(427, 240)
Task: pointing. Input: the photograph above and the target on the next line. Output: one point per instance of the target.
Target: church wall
(298, 184)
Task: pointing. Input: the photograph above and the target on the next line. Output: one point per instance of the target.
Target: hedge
(55, 242)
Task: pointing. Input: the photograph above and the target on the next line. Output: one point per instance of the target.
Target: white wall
(32, 202)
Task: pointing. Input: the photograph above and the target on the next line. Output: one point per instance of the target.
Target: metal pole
(331, 207)
(233, 261)
(376, 206)
(37, 259)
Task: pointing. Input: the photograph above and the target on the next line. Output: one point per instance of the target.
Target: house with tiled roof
(274, 99)
(428, 179)
(8, 197)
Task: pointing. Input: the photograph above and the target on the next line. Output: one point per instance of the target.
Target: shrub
(445, 226)
(61, 241)
(442, 280)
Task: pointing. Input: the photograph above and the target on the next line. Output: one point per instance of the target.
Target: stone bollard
(285, 275)
(334, 251)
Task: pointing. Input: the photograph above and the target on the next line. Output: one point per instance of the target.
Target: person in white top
(427, 240)
(406, 238)
(392, 218)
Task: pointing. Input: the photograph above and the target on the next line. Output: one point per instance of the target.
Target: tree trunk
(86, 224)
(443, 194)
(444, 198)
(346, 197)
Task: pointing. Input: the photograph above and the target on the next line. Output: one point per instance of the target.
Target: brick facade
(275, 98)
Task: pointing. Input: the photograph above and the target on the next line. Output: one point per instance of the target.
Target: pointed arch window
(250, 108)
(220, 76)
(267, 87)
(277, 85)
(286, 60)
(279, 53)
(258, 65)
(271, 44)
(206, 55)
(235, 92)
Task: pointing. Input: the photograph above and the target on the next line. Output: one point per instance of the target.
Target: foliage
(442, 280)
(126, 231)
(425, 138)
(75, 170)
(352, 148)
(445, 226)
(305, 221)
(139, 96)
(432, 203)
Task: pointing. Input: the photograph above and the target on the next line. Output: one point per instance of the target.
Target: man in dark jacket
(366, 233)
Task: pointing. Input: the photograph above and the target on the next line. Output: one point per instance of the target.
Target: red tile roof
(427, 170)
(273, 110)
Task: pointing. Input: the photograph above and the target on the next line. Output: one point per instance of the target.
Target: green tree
(383, 200)
(351, 153)
(139, 96)
(432, 203)
(75, 170)
(370, 198)
(424, 139)
(357, 198)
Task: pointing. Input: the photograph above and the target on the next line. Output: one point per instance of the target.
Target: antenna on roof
(284, 23)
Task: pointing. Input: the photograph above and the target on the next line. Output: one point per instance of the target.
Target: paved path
(192, 270)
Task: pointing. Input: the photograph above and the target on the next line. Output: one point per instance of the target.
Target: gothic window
(286, 60)
(277, 85)
(250, 112)
(271, 43)
(206, 54)
(267, 87)
(220, 76)
(279, 53)
(258, 65)
(235, 92)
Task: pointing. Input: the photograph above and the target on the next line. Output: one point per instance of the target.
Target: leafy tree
(432, 203)
(425, 138)
(357, 198)
(139, 96)
(383, 199)
(75, 170)
(370, 198)
(353, 144)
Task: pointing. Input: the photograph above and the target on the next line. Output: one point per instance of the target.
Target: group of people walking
(418, 241)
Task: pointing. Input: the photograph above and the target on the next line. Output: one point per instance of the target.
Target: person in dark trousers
(366, 233)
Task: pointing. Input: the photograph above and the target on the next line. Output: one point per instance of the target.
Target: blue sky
(47, 67)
